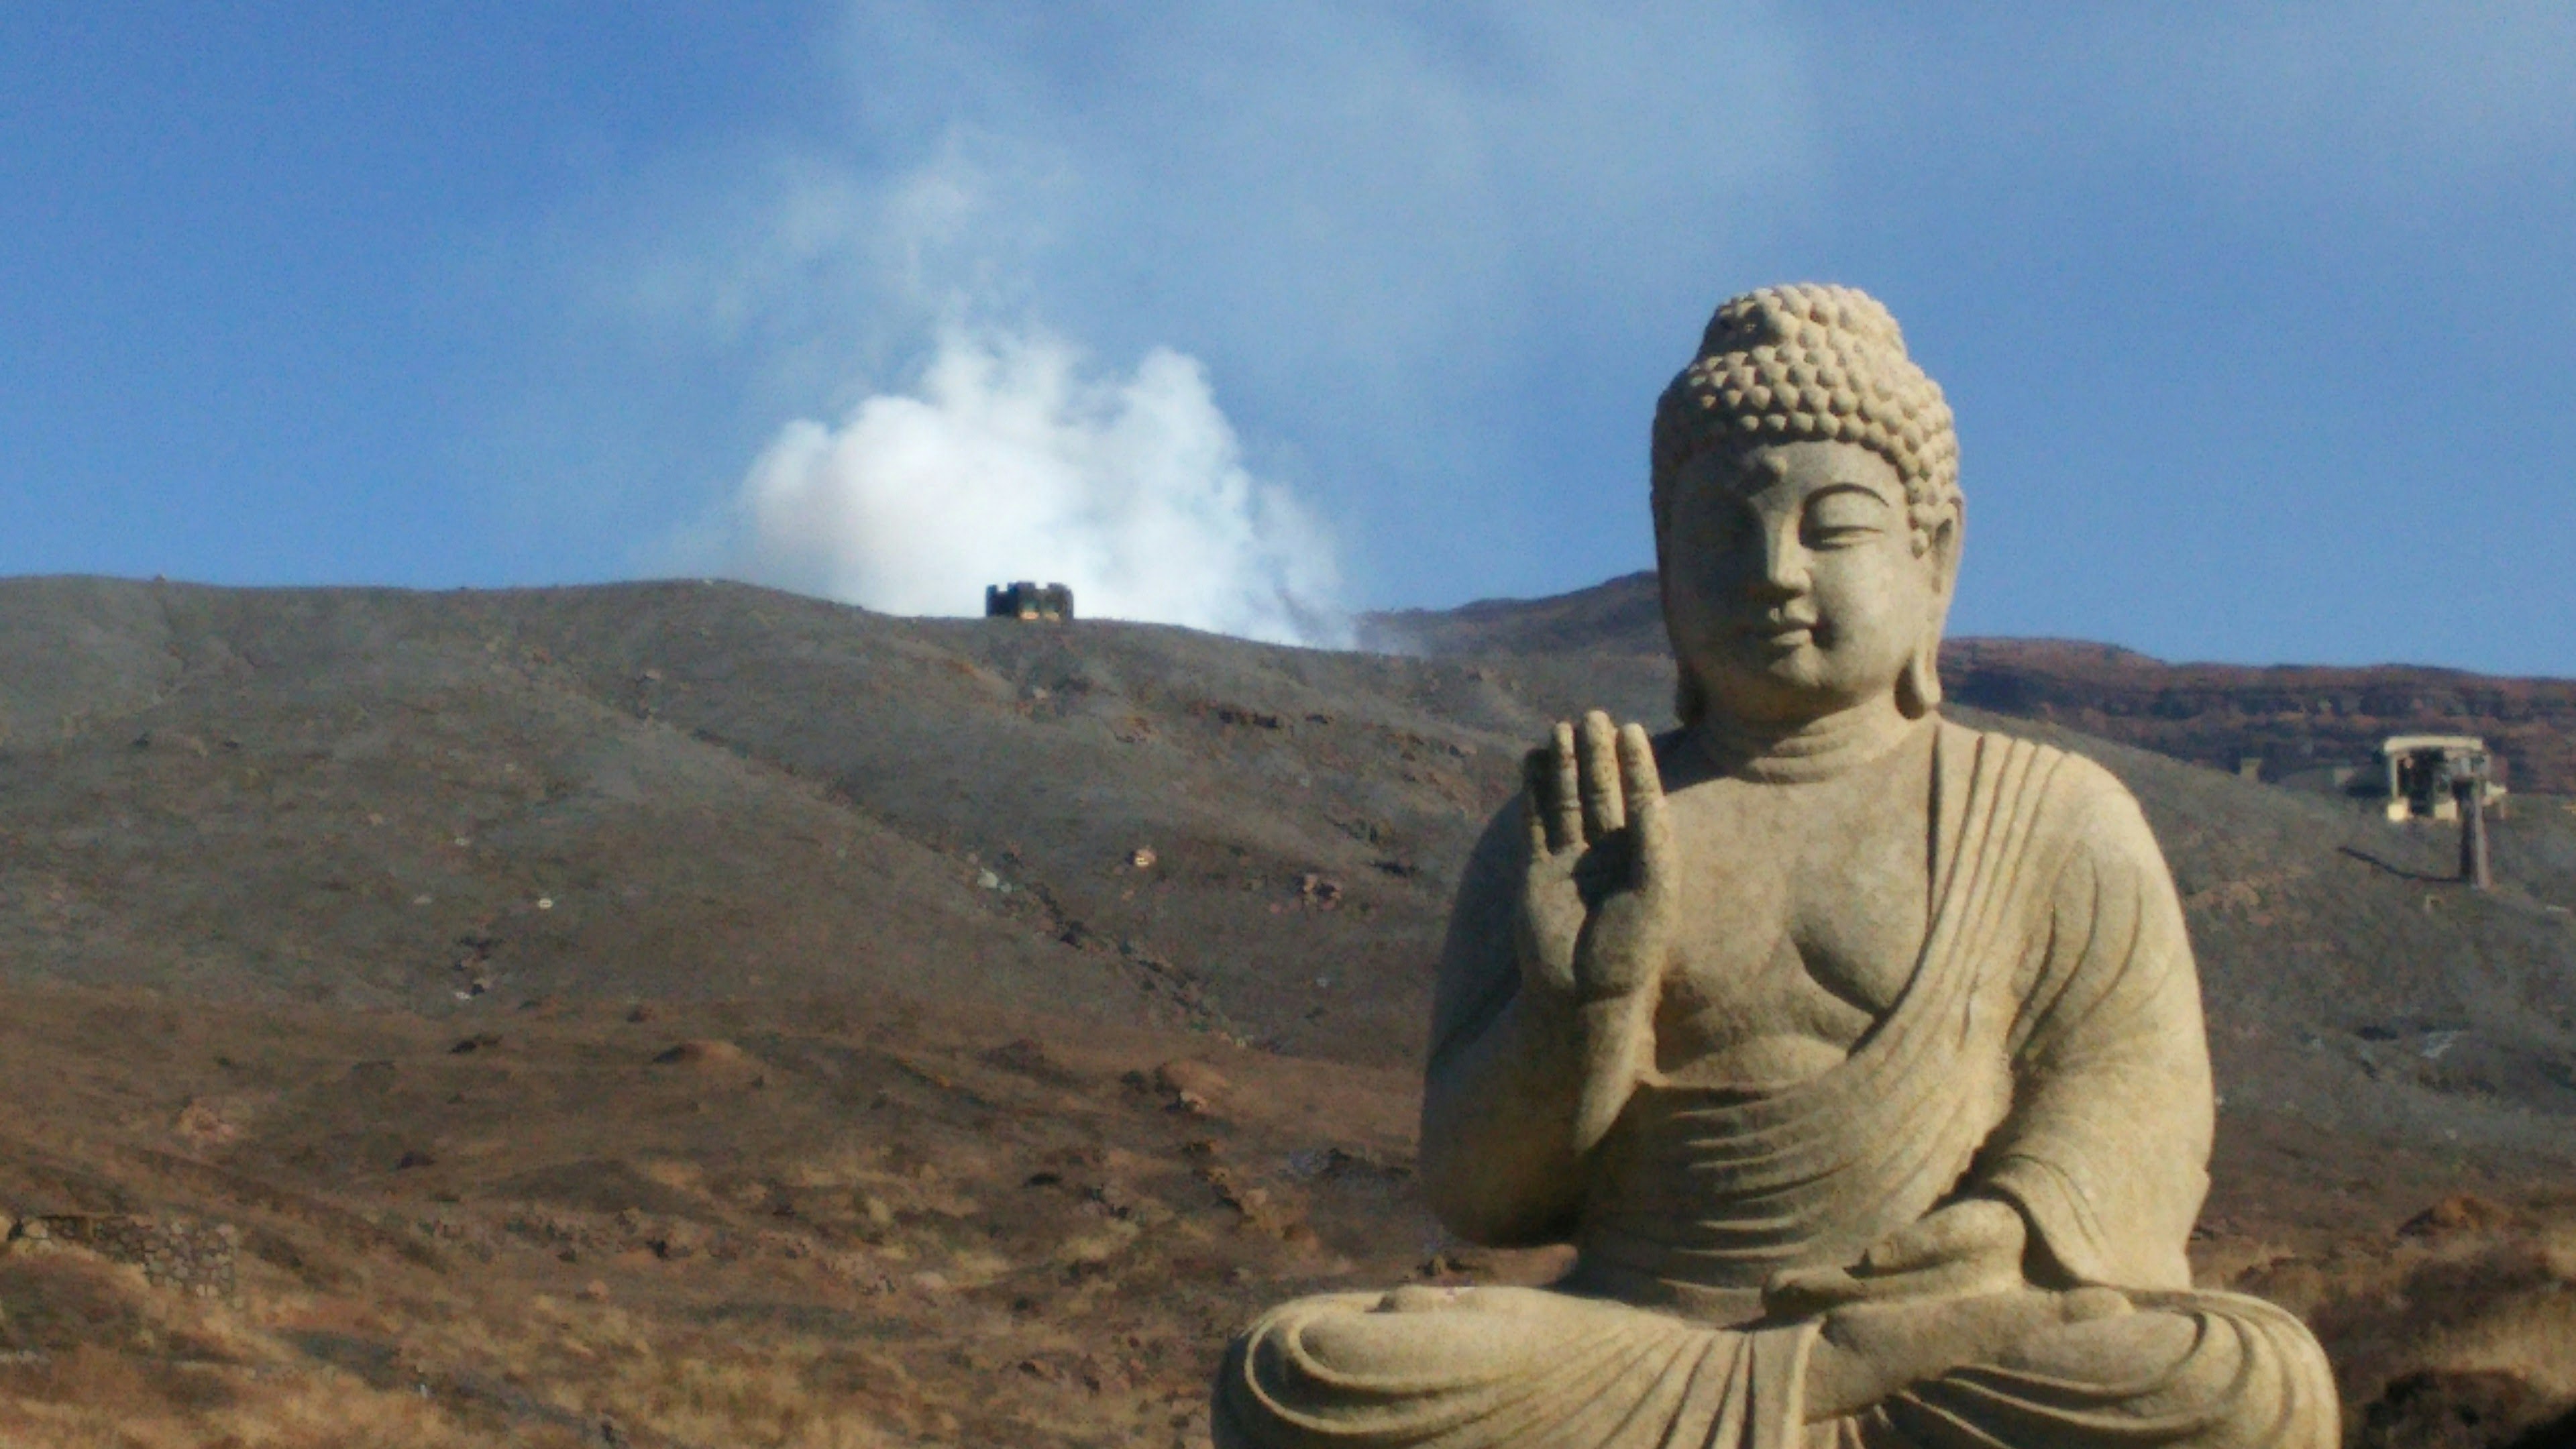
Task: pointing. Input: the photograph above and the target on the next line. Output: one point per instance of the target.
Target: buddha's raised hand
(1597, 905)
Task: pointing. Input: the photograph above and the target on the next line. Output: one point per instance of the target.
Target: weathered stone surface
(1859, 1054)
(184, 1254)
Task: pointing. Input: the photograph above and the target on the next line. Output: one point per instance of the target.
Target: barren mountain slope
(365, 796)
(2291, 717)
(432, 938)
(385, 798)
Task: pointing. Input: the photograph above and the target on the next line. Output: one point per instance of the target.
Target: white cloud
(1014, 460)
(1438, 258)
(1390, 233)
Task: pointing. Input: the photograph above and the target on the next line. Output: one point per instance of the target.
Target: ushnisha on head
(1810, 364)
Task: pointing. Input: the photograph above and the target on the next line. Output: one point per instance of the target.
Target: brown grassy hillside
(738, 1018)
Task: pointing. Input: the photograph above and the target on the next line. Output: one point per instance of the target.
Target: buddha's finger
(1908, 1253)
(1565, 804)
(1960, 1232)
(1926, 1247)
(1637, 774)
(1604, 810)
(1806, 1292)
(1646, 818)
(1909, 1250)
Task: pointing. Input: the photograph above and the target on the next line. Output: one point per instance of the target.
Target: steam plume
(1014, 460)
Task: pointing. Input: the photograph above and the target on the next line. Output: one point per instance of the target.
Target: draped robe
(2046, 1050)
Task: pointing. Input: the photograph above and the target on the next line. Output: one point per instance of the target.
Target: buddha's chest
(1805, 912)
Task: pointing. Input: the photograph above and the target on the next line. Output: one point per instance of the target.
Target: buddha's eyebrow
(1853, 485)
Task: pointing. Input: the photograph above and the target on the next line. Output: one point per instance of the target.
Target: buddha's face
(1792, 586)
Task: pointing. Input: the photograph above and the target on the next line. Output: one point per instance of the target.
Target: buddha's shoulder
(2064, 788)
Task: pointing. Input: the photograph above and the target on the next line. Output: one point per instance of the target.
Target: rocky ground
(816, 1223)
(837, 1222)
(687, 1014)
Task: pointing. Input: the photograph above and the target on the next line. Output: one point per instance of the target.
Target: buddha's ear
(1918, 688)
(1941, 550)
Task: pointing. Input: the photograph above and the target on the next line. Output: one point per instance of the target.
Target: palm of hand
(1597, 904)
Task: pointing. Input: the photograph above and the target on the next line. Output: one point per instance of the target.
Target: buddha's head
(1807, 512)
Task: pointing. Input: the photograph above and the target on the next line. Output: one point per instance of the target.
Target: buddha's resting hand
(1944, 1291)
(1868, 1351)
(1597, 906)
(1971, 1246)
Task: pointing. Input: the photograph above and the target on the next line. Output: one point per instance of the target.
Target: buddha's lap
(1497, 1366)
(1427, 1334)
(1433, 1333)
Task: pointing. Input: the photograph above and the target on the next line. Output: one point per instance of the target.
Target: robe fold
(2047, 1049)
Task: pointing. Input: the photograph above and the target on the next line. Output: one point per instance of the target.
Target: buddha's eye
(1723, 522)
(1844, 518)
(1736, 521)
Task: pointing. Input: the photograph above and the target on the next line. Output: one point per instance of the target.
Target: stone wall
(187, 1255)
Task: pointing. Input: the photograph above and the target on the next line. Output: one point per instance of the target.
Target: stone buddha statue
(1858, 1053)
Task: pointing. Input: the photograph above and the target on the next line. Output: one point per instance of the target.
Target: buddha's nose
(1784, 566)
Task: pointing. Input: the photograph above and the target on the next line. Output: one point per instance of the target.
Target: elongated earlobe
(1918, 689)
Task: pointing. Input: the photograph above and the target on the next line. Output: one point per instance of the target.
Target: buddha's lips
(1783, 633)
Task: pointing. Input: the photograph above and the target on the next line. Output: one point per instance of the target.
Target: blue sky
(2260, 320)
